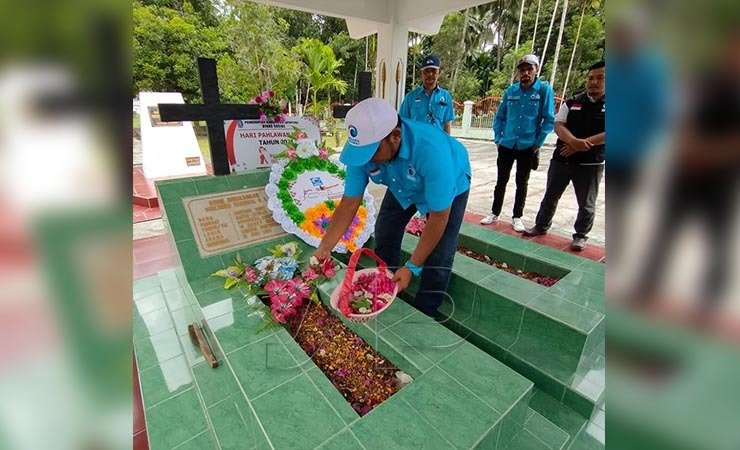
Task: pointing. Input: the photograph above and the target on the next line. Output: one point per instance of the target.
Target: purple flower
(322, 222)
(279, 118)
(259, 99)
(342, 372)
(263, 117)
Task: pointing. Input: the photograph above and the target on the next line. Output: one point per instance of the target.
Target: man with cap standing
(429, 103)
(523, 120)
(426, 171)
(578, 157)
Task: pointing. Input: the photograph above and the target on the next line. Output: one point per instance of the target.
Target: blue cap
(430, 61)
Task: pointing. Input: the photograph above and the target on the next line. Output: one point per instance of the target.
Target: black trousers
(585, 181)
(504, 163)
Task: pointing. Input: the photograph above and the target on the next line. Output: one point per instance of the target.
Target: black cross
(213, 112)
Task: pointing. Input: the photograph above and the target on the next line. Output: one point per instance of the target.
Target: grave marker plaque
(230, 220)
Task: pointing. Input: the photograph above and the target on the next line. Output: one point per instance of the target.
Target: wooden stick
(199, 339)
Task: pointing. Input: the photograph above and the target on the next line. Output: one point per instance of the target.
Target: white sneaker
(489, 219)
(518, 225)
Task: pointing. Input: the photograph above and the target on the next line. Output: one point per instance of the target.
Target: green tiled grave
(551, 335)
(267, 394)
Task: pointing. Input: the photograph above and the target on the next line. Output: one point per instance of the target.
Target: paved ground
(483, 160)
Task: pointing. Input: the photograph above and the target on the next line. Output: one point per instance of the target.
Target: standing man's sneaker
(517, 224)
(489, 219)
(578, 244)
(535, 231)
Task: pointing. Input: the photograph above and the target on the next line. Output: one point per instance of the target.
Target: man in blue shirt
(429, 103)
(425, 170)
(523, 120)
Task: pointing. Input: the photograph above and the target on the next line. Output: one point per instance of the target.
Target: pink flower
(327, 268)
(267, 94)
(310, 274)
(323, 154)
(259, 99)
(277, 288)
(291, 153)
(263, 117)
(279, 118)
(285, 111)
(300, 136)
(250, 275)
(300, 288)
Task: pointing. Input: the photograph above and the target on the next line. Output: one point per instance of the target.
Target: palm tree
(461, 51)
(587, 3)
(322, 70)
(558, 43)
(414, 54)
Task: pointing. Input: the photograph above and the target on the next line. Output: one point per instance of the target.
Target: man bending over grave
(425, 170)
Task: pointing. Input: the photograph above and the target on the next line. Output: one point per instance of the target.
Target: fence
(482, 112)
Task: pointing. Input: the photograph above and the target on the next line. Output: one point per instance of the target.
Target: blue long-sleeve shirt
(525, 117)
(435, 109)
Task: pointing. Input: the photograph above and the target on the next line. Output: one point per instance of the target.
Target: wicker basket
(350, 276)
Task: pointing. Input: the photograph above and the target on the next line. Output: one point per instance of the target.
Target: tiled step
(584, 434)
(553, 335)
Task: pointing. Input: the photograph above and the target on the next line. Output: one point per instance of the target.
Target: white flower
(314, 261)
(306, 148)
(364, 310)
(290, 249)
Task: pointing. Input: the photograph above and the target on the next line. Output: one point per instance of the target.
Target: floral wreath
(303, 155)
(269, 108)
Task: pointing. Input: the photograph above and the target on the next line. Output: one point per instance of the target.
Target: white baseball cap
(368, 122)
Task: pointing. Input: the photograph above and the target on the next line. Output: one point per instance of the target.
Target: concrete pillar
(467, 117)
(391, 60)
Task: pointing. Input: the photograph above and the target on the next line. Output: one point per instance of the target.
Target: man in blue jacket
(426, 171)
(523, 120)
(429, 103)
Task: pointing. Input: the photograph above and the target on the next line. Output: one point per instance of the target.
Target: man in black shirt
(578, 157)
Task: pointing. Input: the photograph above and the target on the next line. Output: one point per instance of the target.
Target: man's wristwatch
(416, 270)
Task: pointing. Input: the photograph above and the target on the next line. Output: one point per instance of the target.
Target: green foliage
(468, 86)
(321, 70)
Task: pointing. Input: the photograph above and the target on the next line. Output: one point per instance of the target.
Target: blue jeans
(389, 231)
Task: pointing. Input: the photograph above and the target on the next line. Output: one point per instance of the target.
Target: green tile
(591, 437)
(471, 269)
(175, 421)
(532, 264)
(527, 441)
(407, 352)
(546, 431)
(393, 355)
(560, 415)
(428, 338)
(499, 319)
(235, 425)
(168, 280)
(550, 341)
(139, 328)
(513, 423)
(302, 360)
(490, 440)
(207, 283)
(335, 398)
(170, 193)
(502, 255)
(149, 303)
(540, 380)
(215, 384)
(233, 298)
(193, 354)
(345, 440)
(584, 280)
(579, 403)
(593, 267)
(479, 232)
(517, 245)
(455, 412)
(183, 318)
(154, 322)
(558, 258)
(239, 181)
(481, 342)
(472, 243)
(161, 382)
(203, 441)
(578, 317)
(195, 265)
(176, 299)
(237, 329)
(463, 295)
(397, 311)
(211, 185)
(157, 349)
(512, 287)
(491, 380)
(394, 417)
(178, 222)
(296, 415)
(145, 284)
(263, 365)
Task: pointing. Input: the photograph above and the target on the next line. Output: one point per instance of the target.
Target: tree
(558, 44)
(321, 68)
(585, 4)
